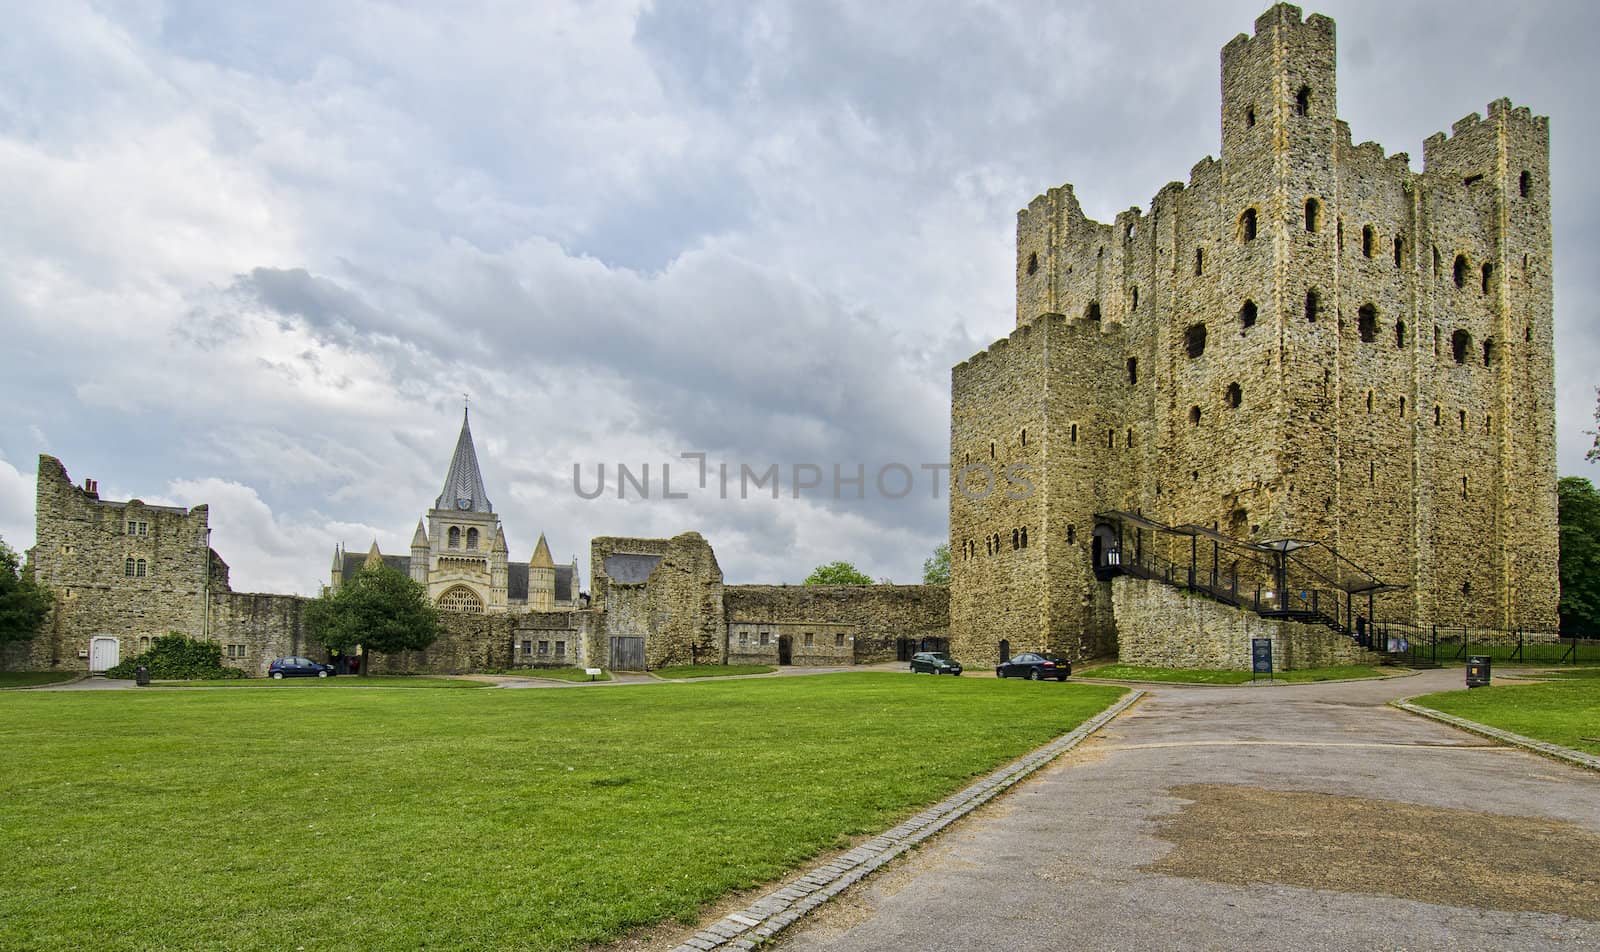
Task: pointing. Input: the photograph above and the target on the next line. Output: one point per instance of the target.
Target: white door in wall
(104, 653)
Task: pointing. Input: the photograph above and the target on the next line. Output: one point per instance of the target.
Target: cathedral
(459, 552)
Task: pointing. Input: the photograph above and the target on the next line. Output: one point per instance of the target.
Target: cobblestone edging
(1537, 746)
(774, 912)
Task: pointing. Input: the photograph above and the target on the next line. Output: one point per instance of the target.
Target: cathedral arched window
(461, 599)
(455, 537)
(472, 538)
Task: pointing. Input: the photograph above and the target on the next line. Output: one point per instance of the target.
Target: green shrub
(175, 657)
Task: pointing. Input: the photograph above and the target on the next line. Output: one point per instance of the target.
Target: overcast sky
(254, 254)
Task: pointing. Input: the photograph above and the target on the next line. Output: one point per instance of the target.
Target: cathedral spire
(463, 484)
(541, 555)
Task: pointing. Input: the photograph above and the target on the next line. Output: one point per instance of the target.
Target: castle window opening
(561, 649)
(1437, 415)
(1129, 443)
(1033, 262)
(1436, 340)
(1014, 545)
(1247, 225)
(144, 645)
(1235, 395)
(1339, 235)
(1488, 350)
(1194, 475)
(810, 639)
(138, 528)
(1488, 273)
(1024, 436)
(1372, 473)
(1488, 423)
(1399, 250)
(1092, 312)
(1194, 416)
(1472, 180)
(1194, 340)
(1438, 262)
(1313, 215)
(766, 637)
(1074, 434)
(1466, 587)
(1072, 534)
(527, 647)
(544, 648)
(838, 640)
(472, 538)
(1400, 333)
(1463, 421)
(1460, 344)
(1313, 302)
(1250, 121)
(744, 637)
(1135, 306)
(1369, 241)
(1369, 401)
(1129, 232)
(1302, 101)
(1199, 261)
(991, 449)
(1461, 271)
(1247, 314)
(1100, 252)
(455, 537)
(1402, 408)
(236, 652)
(1133, 371)
(1367, 318)
(1463, 496)
(1527, 332)
(1525, 183)
(1024, 537)
(1111, 439)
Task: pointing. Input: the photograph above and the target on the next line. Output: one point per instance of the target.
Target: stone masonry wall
(870, 617)
(1164, 627)
(1285, 346)
(678, 610)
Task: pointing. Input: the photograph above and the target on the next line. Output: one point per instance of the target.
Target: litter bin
(141, 676)
(1478, 671)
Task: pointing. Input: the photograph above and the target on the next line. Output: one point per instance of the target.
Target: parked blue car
(299, 668)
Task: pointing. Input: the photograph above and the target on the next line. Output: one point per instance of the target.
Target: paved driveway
(1288, 817)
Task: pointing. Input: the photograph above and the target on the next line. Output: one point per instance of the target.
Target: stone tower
(466, 558)
(541, 578)
(1308, 340)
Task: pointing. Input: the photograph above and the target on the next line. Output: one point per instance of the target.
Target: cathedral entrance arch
(461, 599)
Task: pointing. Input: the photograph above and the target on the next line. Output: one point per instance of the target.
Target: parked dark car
(935, 662)
(1034, 667)
(299, 668)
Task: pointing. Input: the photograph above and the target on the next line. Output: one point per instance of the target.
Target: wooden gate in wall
(627, 654)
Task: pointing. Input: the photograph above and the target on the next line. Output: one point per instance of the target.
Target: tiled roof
(354, 560)
(516, 582)
(564, 583)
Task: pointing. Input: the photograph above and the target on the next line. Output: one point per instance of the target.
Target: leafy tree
(837, 573)
(1580, 554)
(1593, 455)
(936, 570)
(380, 609)
(24, 604)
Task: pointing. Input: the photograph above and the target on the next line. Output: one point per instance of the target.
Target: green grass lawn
(1562, 674)
(463, 819)
(559, 674)
(28, 679)
(1129, 672)
(1563, 712)
(345, 681)
(711, 670)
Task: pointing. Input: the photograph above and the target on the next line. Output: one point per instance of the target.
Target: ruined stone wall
(1167, 628)
(1325, 400)
(678, 610)
(81, 553)
(254, 629)
(870, 619)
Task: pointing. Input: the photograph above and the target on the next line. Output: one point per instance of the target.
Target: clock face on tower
(463, 504)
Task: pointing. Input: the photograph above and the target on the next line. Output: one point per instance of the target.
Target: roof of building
(516, 582)
(354, 560)
(628, 569)
(541, 555)
(464, 483)
(564, 583)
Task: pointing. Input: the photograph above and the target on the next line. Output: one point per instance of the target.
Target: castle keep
(1308, 341)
